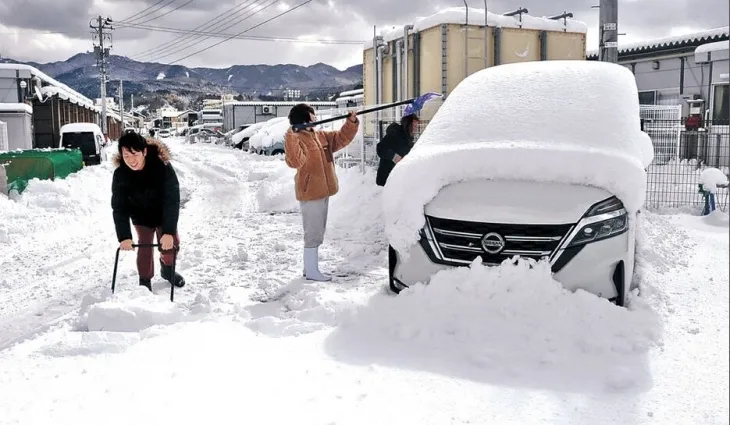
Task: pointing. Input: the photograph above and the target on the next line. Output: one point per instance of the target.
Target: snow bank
(276, 193)
(711, 178)
(717, 218)
(128, 311)
(457, 15)
(572, 122)
(509, 325)
(356, 219)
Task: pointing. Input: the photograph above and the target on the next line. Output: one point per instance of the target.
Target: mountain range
(80, 72)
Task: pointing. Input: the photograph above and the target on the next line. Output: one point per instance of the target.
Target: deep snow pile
(499, 120)
(509, 324)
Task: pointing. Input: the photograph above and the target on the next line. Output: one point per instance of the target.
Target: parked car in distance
(88, 138)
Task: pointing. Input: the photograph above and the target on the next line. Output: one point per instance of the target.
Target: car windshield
(82, 141)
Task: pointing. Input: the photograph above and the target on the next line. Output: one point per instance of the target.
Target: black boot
(147, 283)
(166, 272)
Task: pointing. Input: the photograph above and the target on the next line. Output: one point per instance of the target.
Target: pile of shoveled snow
(511, 324)
(127, 311)
(276, 193)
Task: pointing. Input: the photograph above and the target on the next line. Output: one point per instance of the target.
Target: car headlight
(606, 206)
(600, 230)
(603, 220)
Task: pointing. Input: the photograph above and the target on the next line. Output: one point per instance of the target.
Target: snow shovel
(151, 245)
(414, 105)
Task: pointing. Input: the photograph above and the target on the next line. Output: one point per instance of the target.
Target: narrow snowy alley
(247, 340)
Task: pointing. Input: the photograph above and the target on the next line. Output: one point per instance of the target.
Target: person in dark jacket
(396, 144)
(146, 191)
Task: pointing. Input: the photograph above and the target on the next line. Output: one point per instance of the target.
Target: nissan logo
(493, 243)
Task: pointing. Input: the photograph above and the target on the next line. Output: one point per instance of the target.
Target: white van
(86, 137)
(539, 160)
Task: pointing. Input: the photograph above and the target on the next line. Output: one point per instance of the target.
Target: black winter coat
(149, 197)
(396, 141)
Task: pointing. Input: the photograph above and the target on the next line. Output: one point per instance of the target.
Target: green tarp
(47, 164)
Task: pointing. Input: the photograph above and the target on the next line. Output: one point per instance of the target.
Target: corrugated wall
(515, 45)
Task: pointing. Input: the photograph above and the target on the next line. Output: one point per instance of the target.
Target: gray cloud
(336, 19)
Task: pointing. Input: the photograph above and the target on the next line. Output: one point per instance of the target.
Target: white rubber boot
(311, 266)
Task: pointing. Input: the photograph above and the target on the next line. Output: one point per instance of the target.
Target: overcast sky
(24, 26)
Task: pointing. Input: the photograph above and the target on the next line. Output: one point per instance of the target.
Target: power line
(129, 18)
(164, 14)
(183, 31)
(245, 37)
(160, 48)
(242, 32)
(189, 45)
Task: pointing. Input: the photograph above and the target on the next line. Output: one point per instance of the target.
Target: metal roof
(659, 44)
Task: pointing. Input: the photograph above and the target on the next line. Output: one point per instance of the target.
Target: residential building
(236, 114)
(669, 71)
(435, 53)
(53, 104)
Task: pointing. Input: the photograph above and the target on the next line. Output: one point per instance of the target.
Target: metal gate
(663, 124)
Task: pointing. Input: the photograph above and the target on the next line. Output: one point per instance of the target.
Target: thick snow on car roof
(572, 122)
(80, 127)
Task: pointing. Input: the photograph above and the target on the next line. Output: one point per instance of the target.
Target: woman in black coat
(146, 191)
(396, 144)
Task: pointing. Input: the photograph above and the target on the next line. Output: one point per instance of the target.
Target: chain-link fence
(682, 151)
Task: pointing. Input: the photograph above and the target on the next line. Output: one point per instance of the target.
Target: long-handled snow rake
(414, 105)
(151, 245)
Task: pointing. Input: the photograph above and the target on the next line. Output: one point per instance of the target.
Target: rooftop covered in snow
(668, 43)
(718, 50)
(458, 15)
(53, 87)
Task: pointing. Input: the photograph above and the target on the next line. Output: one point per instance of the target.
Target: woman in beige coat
(311, 152)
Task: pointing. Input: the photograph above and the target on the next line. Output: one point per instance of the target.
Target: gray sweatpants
(314, 219)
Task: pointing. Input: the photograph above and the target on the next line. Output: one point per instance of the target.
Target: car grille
(461, 241)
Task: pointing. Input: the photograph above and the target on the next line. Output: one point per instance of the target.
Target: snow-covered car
(86, 137)
(273, 142)
(240, 140)
(260, 139)
(539, 160)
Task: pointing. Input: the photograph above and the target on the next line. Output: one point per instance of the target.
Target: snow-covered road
(247, 341)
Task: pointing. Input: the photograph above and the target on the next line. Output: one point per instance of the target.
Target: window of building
(648, 97)
(720, 107)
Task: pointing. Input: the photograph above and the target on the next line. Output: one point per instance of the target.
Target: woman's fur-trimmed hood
(154, 147)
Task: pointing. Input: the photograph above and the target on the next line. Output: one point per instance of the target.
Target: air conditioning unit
(266, 110)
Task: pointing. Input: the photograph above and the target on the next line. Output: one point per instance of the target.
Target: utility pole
(608, 31)
(102, 38)
(121, 101)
